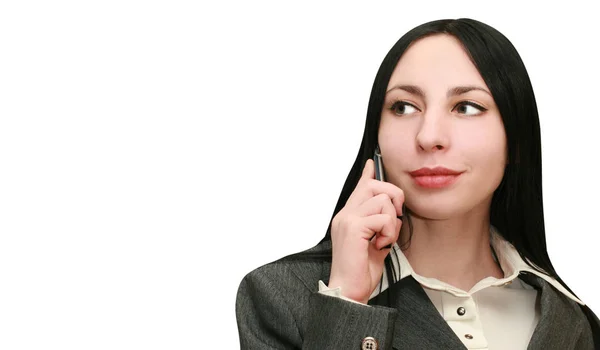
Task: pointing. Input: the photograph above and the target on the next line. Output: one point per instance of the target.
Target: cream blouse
(494, 314)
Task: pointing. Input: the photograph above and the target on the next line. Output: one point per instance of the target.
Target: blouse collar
(506, 254)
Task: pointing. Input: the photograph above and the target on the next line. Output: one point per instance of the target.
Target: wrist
(335, 289)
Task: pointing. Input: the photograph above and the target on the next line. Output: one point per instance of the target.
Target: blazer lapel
(556, 328)
(419, 325)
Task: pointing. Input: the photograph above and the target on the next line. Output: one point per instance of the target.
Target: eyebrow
(455, 91)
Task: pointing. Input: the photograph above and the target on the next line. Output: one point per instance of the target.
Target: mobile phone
(378, 165)
(379, 175)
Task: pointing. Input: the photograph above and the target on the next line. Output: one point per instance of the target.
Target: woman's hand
(362, 233)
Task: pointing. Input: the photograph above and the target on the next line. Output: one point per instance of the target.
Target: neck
(456, 251)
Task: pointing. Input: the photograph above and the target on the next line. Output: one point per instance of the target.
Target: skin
(450, 239)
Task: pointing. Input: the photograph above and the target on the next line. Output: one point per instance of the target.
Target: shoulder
(560, 313)
(553, 295)
(280, 292)
(293, 274)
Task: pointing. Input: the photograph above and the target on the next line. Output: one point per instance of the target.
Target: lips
(437, 177)
(435, 171)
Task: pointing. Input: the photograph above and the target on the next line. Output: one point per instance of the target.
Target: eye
(469, 108)
(403, 108)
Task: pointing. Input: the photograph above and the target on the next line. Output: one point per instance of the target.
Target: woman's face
(438, 112)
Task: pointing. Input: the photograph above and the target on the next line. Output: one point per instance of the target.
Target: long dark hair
(517, 206)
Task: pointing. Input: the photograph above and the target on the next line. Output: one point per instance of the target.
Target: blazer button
(369, 343)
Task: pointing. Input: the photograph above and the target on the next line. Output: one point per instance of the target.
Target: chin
(434, 213)
(442, 207)
(438, 209)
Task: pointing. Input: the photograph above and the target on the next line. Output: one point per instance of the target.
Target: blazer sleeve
(279, 311)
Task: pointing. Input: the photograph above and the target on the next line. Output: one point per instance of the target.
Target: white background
(154, 152)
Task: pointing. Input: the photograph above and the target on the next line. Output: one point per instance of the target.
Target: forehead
(436, 61)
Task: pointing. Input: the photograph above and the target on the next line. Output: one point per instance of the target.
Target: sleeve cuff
(335, 292)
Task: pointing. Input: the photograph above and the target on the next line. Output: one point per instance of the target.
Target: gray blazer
(278, 306)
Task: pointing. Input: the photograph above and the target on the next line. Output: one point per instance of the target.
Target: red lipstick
(437, 177)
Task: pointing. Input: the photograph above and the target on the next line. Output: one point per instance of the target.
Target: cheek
(398, 141)
(399, 137)
(486, 146)
(399, 146)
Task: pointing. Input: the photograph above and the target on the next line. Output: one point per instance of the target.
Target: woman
(449, 251)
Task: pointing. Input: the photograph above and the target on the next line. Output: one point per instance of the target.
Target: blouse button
(468, 336)
(461, 311)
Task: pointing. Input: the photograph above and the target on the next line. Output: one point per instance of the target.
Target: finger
(356, 197)
(380, 204)
(379, 254)
(382, 226)
(387, 242)
(368, 170)
(379, 242)
(368, 173)
(369, 189)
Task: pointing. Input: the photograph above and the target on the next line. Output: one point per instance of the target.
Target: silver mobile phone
(379, 174)
(378, 165)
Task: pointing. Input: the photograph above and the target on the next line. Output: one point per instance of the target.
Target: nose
(432, 135)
